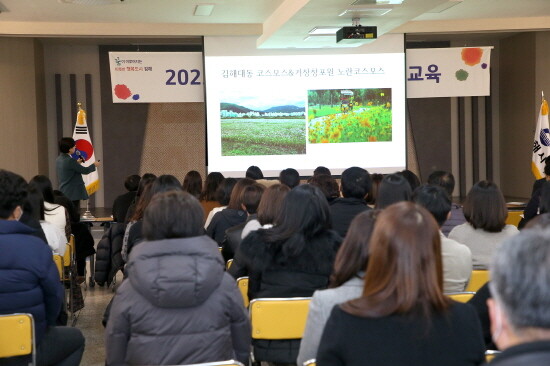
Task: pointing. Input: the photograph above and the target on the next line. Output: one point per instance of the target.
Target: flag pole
(87, 214)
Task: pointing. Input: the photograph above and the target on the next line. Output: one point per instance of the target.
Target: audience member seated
(268, 210)
(538, 183)
(250, 197)
(208, 198)
(192, 183)
(355, 186)
(412, 179)
(223, 194)
(34, 205)
(485, 212)
(29, 281)
(123, 202)
(255, 173)
(177, 306)
(538, 204)
(145, 180)
(447, 181)
(294, 258)
(520, 320)
(321, 170)
(84, 241)
(392, 189)
(53, 212)
(33, 222)
(327, 184)
(402, 317)
(457, 258)
(232, 215)
(134, 233)
(376, 180)
(290, 177)
(346, 282)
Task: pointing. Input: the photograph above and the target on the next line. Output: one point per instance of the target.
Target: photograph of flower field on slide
(349, 115)
(263, 124)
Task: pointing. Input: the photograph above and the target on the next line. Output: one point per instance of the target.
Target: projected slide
(357, 115)
(263, 124)
(302, 111)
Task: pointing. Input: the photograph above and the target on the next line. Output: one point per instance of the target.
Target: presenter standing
(69, 172)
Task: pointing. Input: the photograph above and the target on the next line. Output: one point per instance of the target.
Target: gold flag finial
(79, 105)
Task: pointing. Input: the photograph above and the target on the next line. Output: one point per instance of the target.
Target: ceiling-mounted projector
(356, 34)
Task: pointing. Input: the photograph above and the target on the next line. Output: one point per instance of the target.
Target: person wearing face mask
(520, 305)
(29, 281)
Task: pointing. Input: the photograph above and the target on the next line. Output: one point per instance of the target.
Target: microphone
(80, 156)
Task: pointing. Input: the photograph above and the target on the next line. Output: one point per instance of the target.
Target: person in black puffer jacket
(108, 257)
(293, 259)
(178, 306)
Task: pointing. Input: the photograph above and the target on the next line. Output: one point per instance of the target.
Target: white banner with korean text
(448, 72)
(156, 77)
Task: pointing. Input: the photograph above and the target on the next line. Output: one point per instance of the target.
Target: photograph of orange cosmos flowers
(349, 115)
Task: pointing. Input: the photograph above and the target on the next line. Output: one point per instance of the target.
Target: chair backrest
(58, 260)
(279, 318)
(17, 336)
(311, 362)
(462, 296)
(478, 278)
(70, 258)
(229, 263)
(219, 363)
(242, 284)
(514, 217)
(67, 256)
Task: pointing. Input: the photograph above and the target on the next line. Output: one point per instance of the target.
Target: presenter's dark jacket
(29, 281)
(450, 338)
(69, 173)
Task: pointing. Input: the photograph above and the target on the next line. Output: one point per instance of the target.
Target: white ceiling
(275, 23)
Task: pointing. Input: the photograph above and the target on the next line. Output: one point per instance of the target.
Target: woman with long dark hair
(294, 258)
(53, 213)
(269, 210)
(402, 317)
(346, 281)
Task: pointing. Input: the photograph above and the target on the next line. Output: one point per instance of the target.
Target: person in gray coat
(346, 282)
(177, 306)
(69, 172)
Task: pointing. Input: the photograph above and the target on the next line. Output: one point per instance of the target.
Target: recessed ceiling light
(441, 8)
(203, 10)
(377, 2)
(324, 30)
(319, 37)
(366, 11)
(92, 2)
